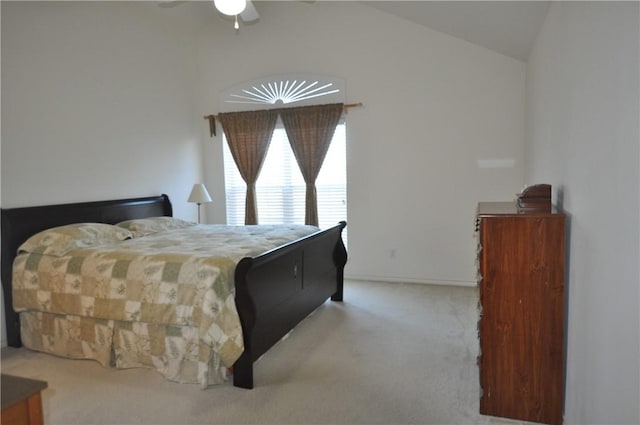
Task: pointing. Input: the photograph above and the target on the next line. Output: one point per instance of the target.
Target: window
(280, 189)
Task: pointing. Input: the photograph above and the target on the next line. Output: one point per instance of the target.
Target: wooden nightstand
(21, 400)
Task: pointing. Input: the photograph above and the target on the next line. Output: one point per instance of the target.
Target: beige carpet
(389, 354)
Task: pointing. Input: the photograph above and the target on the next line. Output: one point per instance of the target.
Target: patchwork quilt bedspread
(176, 278)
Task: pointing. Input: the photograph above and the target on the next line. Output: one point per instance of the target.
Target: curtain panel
(310, 130)
(248, 135)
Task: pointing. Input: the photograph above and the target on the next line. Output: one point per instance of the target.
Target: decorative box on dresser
(521, 257)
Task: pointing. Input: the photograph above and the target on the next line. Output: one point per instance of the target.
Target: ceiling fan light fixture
(230, 7)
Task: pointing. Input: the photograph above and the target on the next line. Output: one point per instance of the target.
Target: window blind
(280, 189)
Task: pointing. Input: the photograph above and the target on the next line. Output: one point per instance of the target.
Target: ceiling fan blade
(250, 14)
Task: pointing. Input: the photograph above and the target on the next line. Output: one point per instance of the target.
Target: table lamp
(199, 195)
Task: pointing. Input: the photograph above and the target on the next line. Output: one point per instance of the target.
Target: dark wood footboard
(278, 289)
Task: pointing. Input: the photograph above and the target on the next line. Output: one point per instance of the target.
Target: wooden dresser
(521, 257)
(21, 400)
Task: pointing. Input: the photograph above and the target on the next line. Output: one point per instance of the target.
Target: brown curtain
(249, 134)
(310, 130)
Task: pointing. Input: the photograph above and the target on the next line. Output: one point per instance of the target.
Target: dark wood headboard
(18, 224)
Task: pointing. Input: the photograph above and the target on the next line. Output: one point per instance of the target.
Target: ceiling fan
(243, 8)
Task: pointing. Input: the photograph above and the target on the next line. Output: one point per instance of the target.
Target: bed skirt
(174, 351)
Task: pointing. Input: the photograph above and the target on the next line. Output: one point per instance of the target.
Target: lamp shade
(199, 194)
(230, 7)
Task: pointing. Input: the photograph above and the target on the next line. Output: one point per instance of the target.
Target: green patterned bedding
(165, 300)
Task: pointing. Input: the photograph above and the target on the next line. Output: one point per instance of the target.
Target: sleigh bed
(269, 292)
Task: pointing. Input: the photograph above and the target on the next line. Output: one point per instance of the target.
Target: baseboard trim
(442, 282)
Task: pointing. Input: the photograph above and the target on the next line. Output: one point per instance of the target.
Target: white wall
(583, 132)
(97, 103)
(433, 106)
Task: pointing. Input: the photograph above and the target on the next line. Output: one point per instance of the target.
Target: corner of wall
(3, 340)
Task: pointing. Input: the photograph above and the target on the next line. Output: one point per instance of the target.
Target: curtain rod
(212, 118)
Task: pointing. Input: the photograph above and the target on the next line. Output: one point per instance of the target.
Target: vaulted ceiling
(507, 27)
